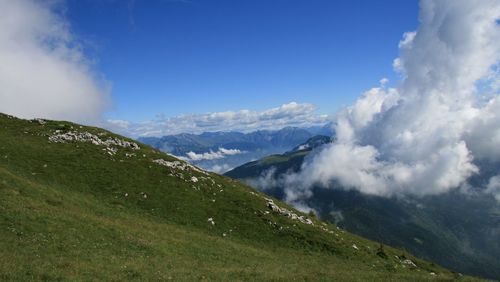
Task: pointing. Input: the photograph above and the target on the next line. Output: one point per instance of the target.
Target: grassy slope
(64, 216)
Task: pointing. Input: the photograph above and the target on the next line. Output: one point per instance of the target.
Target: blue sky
(186, 57)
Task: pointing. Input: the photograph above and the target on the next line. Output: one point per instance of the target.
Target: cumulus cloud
(428, 135)
(213, 155)
(290, 114)
(44, 71)
(267, 180)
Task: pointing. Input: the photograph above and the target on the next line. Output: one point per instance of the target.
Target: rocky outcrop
(409, 263)
(179, 166)
(88, 137)
(39, 121)
(276, 209)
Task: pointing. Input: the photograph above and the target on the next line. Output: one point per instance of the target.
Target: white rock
(178, 165)
(59, 137)
(39, 121)
(275, 208)
(409, 263)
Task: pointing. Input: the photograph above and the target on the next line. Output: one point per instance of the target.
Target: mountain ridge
(287, 136)
(207, 149)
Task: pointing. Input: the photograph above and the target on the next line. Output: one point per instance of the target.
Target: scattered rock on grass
(275, 208)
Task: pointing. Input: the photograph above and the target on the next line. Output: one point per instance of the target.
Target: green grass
(64, 216)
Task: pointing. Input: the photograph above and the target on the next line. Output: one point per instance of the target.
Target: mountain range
(221, 151)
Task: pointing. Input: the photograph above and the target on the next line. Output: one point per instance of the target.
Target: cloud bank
(44, 71)
(211, 155)
(290, 114)
(220, 168)
(428, 135)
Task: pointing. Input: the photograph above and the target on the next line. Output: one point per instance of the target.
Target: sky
(156, 67)
(186, 57)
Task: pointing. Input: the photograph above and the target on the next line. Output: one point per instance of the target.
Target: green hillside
(99, 208)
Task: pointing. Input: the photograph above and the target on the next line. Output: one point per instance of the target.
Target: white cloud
(494, 187)
(266, 180)
(211, 155)
(220, 168)
(384, 81)
(428, 135)
(290, 114)
(43, 70)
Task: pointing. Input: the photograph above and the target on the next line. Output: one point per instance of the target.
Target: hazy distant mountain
(459, 231)
(326, 130)
(220, 151)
